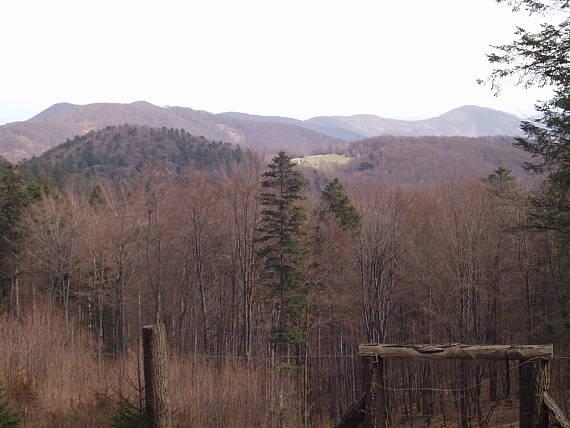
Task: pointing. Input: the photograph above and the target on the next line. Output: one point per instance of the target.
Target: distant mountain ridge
(54, 110)
(21, 140)
(62, 121)
(466, 121)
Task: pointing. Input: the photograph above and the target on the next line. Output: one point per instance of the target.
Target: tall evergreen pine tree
(15, 195)
(543, 58)
(282, 248)
(334, 200)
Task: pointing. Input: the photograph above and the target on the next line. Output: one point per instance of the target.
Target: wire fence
(255, 388)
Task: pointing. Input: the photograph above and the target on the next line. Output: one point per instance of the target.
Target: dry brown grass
(52, 371)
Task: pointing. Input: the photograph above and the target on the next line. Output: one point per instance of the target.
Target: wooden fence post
(376, 409)
(157, 402)
(533, 380)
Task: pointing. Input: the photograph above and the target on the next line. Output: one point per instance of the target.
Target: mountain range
(466, 121)
(63, 121)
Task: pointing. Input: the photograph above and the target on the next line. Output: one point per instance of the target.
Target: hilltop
(54, 110)
(121, 151)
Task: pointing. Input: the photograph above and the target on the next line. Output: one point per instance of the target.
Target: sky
(405, 59)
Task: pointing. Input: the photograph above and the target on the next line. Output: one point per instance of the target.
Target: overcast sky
(296, 58)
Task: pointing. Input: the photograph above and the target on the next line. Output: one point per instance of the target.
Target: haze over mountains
(53, 126)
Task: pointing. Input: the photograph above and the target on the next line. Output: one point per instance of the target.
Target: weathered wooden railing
(535, 408)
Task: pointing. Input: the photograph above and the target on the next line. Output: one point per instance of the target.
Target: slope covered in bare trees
(429, 159)
(441, 262)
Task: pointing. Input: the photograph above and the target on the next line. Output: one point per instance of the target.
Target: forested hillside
(416, 160)
(376, 262)
(266, 271)
(121, 151)
(430, 159)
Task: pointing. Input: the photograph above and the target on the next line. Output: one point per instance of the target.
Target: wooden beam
(555, 410)
(456, 350)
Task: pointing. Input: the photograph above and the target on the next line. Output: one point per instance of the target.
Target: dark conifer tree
(543, 58)
(500, 182)
(15, 194)
(282, 248)
(9, 417)
(334, 200)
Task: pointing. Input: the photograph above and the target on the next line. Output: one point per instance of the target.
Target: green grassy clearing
(318, 160)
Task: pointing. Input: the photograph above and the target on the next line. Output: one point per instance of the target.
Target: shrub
(129, 414)
(9, 417)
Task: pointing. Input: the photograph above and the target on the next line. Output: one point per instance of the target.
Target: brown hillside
(428, 159)
(467, 121)
(21, 140)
